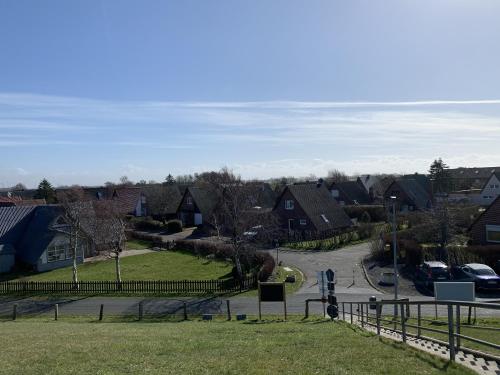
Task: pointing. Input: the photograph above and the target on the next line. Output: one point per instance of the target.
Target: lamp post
(394, 253)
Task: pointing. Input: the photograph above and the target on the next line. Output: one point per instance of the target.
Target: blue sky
(92, 90)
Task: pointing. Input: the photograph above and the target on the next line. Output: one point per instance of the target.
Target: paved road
(346, 263)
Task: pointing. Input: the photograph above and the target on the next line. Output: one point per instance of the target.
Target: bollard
(141, 310)
(14, 312)
(185, 311)
(101, 312)
(56, 311)
(228, 310)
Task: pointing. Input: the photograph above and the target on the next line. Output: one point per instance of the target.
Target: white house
(491, 190)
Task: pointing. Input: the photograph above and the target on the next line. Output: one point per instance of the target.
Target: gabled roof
(206, 199)
(170, 196)
(414, 191)
(13, 221)
(491, 206)
(317, 202)
(18, 201)
(126, 199)
(353, 190)
(368, 181)
(472, 173)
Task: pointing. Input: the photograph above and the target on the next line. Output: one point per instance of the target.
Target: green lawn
(138, 244)
(294, 347)
(164, 265)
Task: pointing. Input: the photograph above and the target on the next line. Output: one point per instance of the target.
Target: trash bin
(373, 306)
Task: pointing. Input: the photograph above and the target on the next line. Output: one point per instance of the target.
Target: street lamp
(394, 251)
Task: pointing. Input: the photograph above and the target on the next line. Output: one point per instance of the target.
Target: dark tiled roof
(162, 199)
(472, 173)
(354, 191)
(415, 192)
(206, 199)
(126, 199)
(317, 201)
(13, 220)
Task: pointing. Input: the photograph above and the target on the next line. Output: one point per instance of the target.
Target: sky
(93, 90)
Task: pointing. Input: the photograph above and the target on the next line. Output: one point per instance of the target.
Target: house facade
(308, 210)
(196, 206)
(33, 237)
(486, 229)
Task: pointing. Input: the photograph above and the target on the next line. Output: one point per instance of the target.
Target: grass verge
(304, 347)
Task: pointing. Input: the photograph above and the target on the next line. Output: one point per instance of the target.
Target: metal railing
(401, 323)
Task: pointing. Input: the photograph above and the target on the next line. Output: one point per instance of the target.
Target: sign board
(454, 291)
(330, 275)
(271, 292)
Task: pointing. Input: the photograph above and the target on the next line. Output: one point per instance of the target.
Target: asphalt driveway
(346, 263)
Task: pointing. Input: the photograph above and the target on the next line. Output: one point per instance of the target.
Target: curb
(368, 278)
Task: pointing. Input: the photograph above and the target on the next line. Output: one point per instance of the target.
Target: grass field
(135, 244)
(164, 265)
(312, 347)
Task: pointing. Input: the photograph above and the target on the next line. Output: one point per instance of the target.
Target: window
(324, 218)
(56, 252)
(335, 193)
(289, 204)
(303, 222)
(189, 200)
(493, 233)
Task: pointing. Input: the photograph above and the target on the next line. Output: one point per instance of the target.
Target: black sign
(332, 311)
(330, 275)
(332, 300)
(272, 292)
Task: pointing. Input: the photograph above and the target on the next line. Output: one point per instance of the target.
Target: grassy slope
(314, 347)
(163, 265)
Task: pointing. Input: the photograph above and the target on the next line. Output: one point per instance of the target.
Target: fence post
(351, 312)
(185, 311)
(450, 333)
(403, 322)
(379, 311)
(419, 320)
(343, 311)
(458, 326)
(228, 309)
(362, 315)
(141, 310)
(56, 311)
(101, 312)
(14, 312)
(307, 309)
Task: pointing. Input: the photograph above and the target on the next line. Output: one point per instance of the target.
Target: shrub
(174, 226)
(147, 224)
(365, 217)
(377, 213)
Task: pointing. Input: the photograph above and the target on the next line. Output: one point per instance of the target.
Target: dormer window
(189, 200)
(289, 204)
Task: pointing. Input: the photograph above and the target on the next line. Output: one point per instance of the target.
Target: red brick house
(486, 229)
(308, 211)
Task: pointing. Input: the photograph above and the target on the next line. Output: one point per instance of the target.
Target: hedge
(376, 213)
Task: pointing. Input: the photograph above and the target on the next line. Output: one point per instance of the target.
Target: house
(32, 236)
(410, 195)
(197, 205)
(470, 178)
(490, 190)
(486, 228)
(370, 183)
(162, 200)
(308, 210)
(350, 193)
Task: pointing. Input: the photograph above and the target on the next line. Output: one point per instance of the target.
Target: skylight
(324, 218)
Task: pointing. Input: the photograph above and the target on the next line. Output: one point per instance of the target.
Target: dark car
(429, 272)
(483, 276)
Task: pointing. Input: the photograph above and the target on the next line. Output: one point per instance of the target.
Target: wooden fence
(178, 287)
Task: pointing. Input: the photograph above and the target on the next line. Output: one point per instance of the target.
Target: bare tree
(337, 176)
(235, 215)
(77, 212)
(109, 226)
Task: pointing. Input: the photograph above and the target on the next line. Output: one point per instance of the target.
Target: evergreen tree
(170, 180)
(46, 191)
(439, 176)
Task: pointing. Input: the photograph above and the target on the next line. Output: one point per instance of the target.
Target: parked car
(429, 272)
(483, 276)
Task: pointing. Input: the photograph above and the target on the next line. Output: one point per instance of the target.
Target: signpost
(271, 292)
(326, 284)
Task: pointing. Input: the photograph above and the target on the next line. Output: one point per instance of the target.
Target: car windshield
(484, 272)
